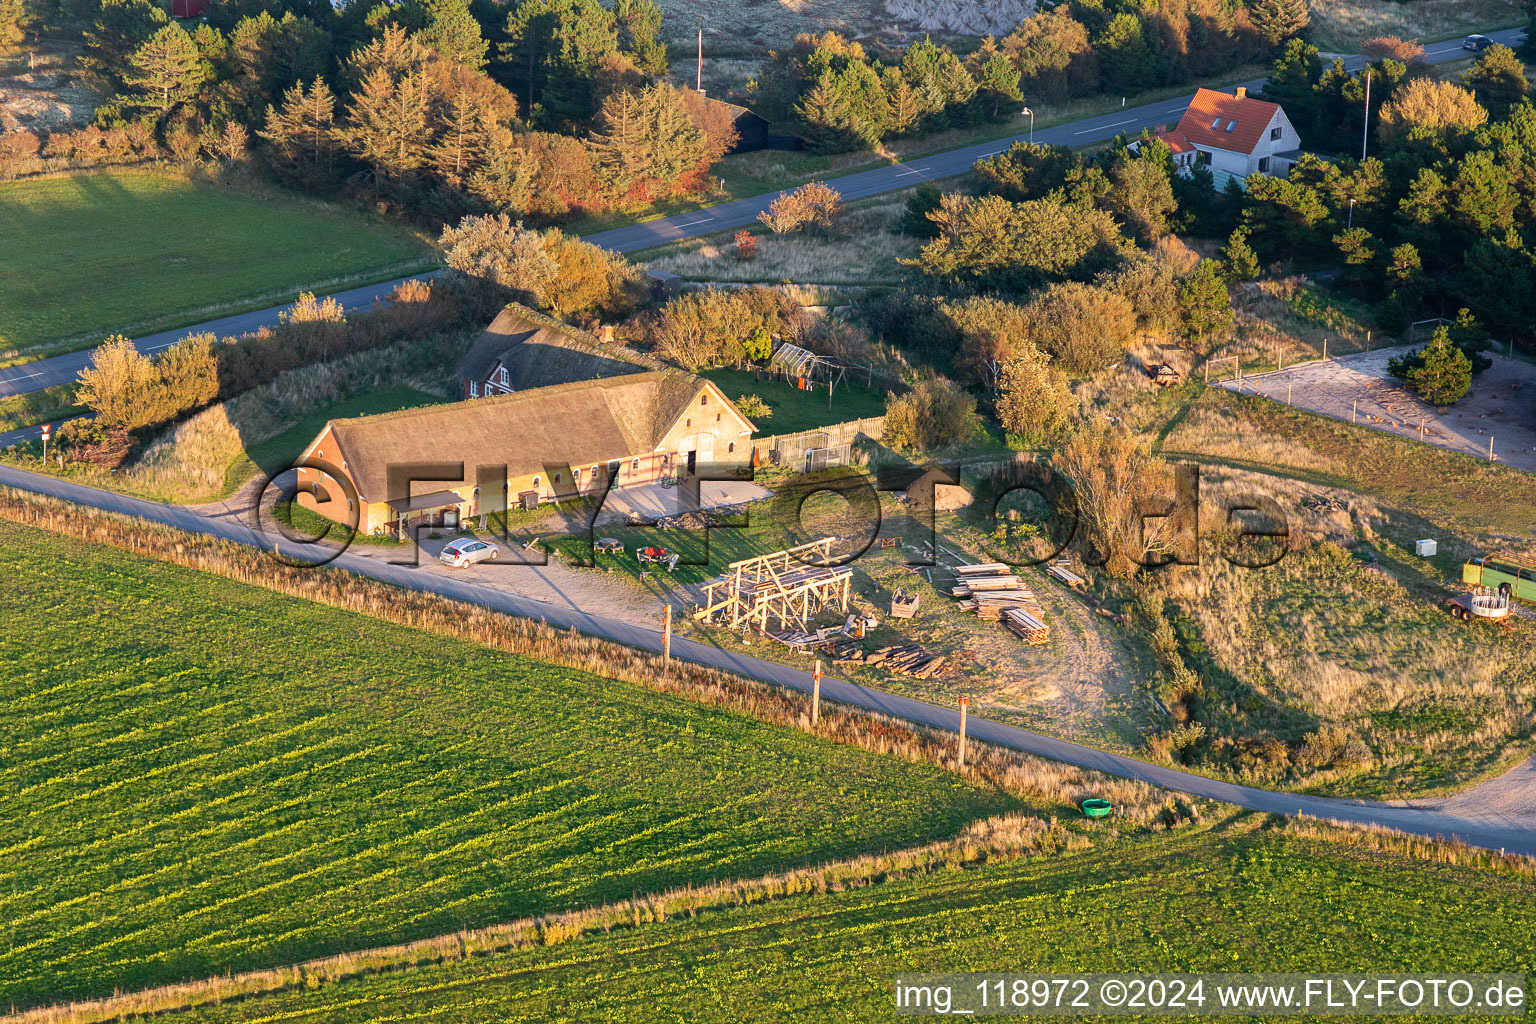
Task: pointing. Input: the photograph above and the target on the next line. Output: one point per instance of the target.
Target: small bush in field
(753, 407)
(815, 204)
(308, 310)
(746, 246)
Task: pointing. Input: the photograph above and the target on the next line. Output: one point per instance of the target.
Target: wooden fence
(830, 436)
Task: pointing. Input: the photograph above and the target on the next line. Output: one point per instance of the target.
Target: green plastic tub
(1096, 807)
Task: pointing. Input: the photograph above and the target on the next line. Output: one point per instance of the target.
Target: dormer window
(1231, 124)
(504, 380)
(1216, 124)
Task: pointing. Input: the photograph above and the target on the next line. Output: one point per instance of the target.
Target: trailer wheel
(1504, 590)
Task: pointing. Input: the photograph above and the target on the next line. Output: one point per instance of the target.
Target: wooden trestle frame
(779, 585)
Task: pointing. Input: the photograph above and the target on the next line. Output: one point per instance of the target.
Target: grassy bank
(139, 251)
(327, 781)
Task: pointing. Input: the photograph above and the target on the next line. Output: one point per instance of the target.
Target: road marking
(1101, 127)
(912, 170)
(692, 223)
(24, 376)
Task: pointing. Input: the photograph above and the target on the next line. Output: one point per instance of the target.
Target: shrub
(1035, 402)
(1392, 48)
(816, 205)
(935, 413)
(1085, 327)
(119, 385)
(753, 407)
(716, 326)
(1428, 105)
(546, 269)
(745, 246)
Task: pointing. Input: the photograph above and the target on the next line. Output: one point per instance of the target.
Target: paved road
(45, 373)
(737, 213)
(1500, 814)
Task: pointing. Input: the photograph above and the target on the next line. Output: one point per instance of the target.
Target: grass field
(201, 775)
(795, 410)
(1340, 26)
(1232, 899)
(864, 251)
(138, 251)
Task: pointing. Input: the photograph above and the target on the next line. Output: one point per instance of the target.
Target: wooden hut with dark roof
(557, 441)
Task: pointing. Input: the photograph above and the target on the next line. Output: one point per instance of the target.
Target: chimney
(1242, 92)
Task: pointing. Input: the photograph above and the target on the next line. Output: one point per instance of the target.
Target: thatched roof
(576, 424)
(538, 351)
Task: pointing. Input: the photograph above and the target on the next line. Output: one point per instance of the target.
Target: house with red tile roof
(1233, 135)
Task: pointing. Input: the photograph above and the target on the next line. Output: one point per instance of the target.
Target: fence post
(816, 694)
(666, 640)
(965, 702)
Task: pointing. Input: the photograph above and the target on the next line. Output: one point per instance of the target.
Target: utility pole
(1351, 214)
(816, 694)
(698, 79)
(1365, 139)
(965, 702)
(1490, 448)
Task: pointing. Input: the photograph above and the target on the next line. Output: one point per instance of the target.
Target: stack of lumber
(1062, 574)
(1027, 626)
(990, 589)
(908, 659)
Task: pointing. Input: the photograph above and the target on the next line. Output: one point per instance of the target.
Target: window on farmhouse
(1274, 134)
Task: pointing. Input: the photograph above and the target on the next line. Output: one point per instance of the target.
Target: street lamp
(1031, 114)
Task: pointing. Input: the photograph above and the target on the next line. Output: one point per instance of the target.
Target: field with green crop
(139, 251)
(201, 776)
(1232, 899)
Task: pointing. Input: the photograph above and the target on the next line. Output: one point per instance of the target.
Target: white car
(463, 553)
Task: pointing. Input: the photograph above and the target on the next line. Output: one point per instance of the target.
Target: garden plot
(1500, 407)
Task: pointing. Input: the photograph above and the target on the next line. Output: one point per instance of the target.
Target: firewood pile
(908, 659)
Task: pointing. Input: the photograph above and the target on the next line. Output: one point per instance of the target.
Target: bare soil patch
(1500, 407)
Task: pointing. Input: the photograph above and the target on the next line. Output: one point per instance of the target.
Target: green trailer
(1517, 581)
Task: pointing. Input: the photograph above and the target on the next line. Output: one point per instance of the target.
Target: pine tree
(461, 139)
(677, 144)
(387, 126)
(902, 108)
(166, 71)
(301, 135)
(824, 117)
(1440, 373)
(1279, 20)
(452, 32)
(1125, 57)
(640, 34)
(622, 142)
(120, 28)
(504, 179)
(1203, 300)
(1241, 262)
(997, 80)
(1497, 79)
